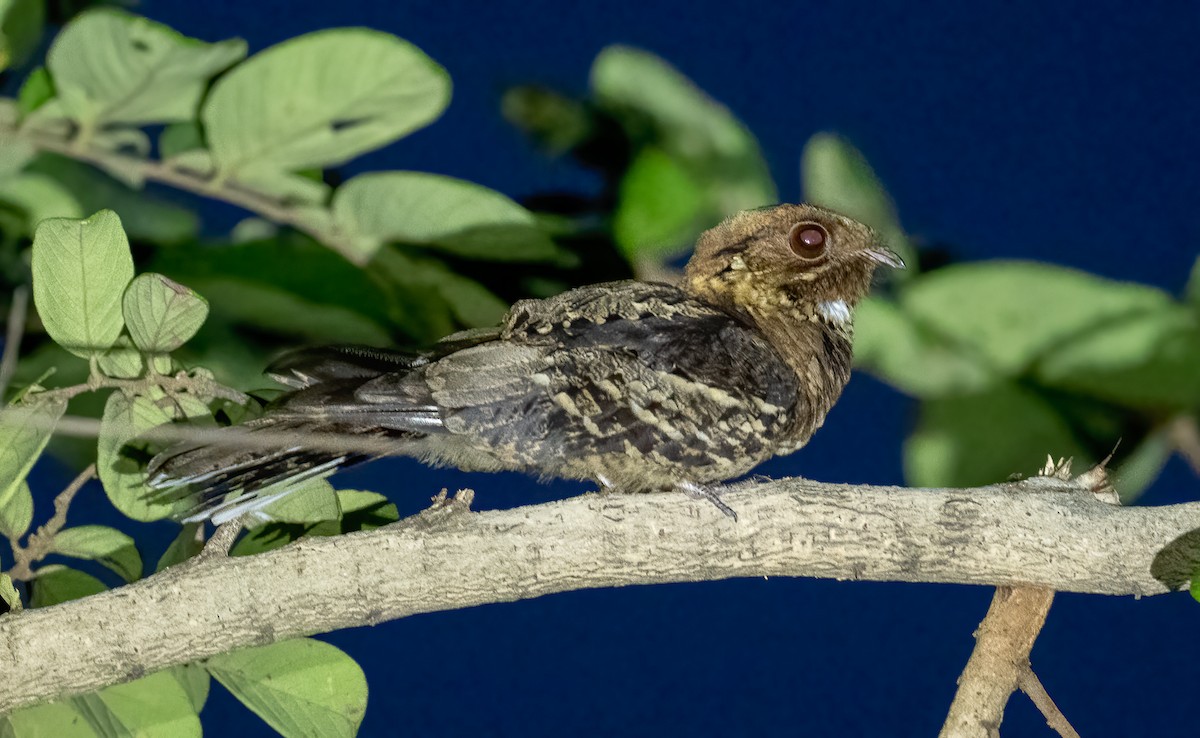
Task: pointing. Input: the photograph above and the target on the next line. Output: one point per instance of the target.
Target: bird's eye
(808, 240)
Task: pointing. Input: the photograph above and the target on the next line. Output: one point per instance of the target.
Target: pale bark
(1044, 533)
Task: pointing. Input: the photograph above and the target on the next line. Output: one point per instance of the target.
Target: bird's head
(786, 256)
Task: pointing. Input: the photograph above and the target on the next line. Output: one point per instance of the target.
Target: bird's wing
(623, 368)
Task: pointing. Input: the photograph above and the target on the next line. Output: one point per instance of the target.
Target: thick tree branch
(1043, 532)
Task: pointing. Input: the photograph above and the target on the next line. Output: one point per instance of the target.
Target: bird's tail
(225, 480)
(347, 404)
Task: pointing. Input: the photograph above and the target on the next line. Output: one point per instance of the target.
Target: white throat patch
(835, 311)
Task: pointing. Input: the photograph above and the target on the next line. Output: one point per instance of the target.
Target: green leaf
(660, 207)
(9, 593)
(310, 502)
(36, 90)
(55, 584)
(698, 132)
(445, 213)
(17, 514)
(320, 297)
(113, 67)
(1009, 314)
(300, 688)
(122, 360)
(195, 682)
(1144, 360)
(20, 30)
(985, 438)
(890, 345)
(556, 121)
(180, 137)
(124, 481)
(153, 706)
(40, 197)
(362, 510)
(162, 314)
(80, 269)
(836, 176)
(185, 546)
(49, 720)
(15, 153)
(24, 431)
(144, 216)
(320, 100)
(109, 546)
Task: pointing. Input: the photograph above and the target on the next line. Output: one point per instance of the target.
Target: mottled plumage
(637, 386)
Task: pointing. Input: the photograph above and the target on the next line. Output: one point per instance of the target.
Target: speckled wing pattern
(630, 381)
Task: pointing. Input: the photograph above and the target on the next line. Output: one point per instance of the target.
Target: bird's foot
(703, 492)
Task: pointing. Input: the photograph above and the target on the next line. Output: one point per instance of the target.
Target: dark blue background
(1057, 131)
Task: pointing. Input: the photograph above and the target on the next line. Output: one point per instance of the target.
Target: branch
(1042, 532)
(12, 336)
(1001, 654)
(41, 543)
(1032, 686)
(138, 169)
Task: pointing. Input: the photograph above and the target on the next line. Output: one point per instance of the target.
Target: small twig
(1032, 686)
(12, 336)
(1002, 646)
(180, 382)
(1185, 437)
(41, 542)
(226, 191)
(222, 540)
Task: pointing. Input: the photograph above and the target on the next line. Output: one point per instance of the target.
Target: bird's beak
(884, 255)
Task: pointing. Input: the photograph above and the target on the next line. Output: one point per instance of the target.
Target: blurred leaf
(835, 175)
(1139, 470)
(177, 138)
(985, 438)
(320, 100)
(300, 688)
(40, 197)
(319, 296)
(122, 360)
(890, 345)
(310, 502)
(17, 513)
(55, 584)
(470, 302)
(15, 153)
(1011, 313)
(145, 217)
(702, 135)
(124, 481)
(660, 208)
(108, 546)
(162, 314)
(36, 90)
(80, 269)
(444, 213)
(24, 431)
(49, 720)
(184, 546)
(1141, 359)
(153, 706)
(113, 67)
(8, 593)
(556, 121)
(195, 682)
(20, 30)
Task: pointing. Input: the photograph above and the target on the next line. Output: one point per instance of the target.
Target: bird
(636, 386)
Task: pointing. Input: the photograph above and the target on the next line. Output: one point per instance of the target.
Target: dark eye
(808, 240)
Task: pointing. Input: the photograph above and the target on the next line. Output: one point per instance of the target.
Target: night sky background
(1064, 132)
